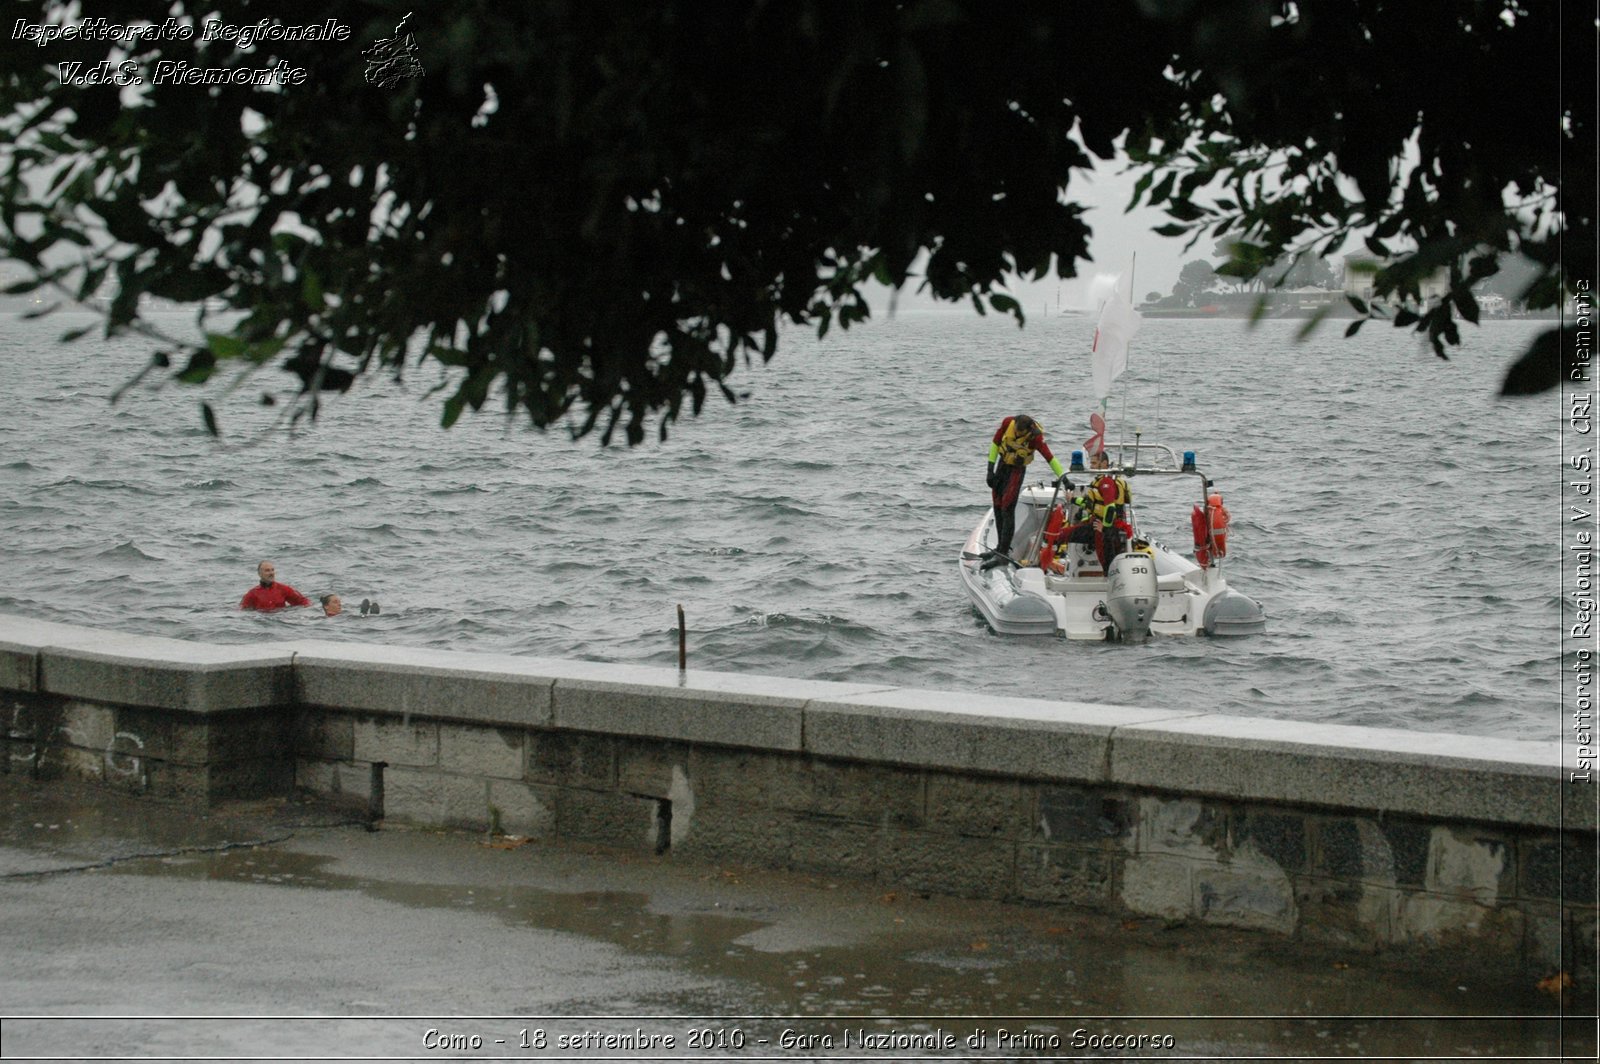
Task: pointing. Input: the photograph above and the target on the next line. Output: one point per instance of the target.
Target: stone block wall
(1361, 879)
(145, 750)
(1427, 844)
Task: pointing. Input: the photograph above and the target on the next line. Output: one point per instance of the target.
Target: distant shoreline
(22, 304)
(1344, 311)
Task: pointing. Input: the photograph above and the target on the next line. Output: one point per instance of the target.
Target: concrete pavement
(134, 928)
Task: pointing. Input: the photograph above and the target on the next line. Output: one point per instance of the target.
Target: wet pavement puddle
(1044, 985)
(311, 936)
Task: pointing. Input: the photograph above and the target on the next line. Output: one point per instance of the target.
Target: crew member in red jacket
(1015, 443)
(269, 594)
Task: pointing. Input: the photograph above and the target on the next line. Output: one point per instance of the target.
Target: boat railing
(1146, 458)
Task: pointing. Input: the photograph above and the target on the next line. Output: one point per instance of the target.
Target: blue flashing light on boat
(1188, 461)
(1077, 461)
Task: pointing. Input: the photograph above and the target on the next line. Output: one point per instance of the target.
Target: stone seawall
(1359, 837)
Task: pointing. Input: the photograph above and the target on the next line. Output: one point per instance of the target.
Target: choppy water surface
(1400, 524)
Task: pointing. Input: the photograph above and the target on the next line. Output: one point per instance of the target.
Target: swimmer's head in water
(331, 605)
(267, 572)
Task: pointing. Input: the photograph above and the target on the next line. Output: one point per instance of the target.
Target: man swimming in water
(269, 594)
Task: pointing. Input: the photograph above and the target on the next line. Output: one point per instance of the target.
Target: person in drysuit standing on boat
(1015, 443)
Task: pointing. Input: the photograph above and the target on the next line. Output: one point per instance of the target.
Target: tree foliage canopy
(601, 209)
(1439, 135)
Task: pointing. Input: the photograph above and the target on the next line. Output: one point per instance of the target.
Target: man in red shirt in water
(270, 595)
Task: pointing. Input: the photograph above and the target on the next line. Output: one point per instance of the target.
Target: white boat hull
(1177, 598)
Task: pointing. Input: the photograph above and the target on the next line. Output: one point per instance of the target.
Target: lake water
(1400, 525)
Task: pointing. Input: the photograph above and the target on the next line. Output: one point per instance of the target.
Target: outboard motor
(1131, 597)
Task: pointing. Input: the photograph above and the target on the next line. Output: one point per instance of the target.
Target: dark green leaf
(311, 290)
(262, 351)
(1317, 318)
(1540, 367)
(223, 346)
(1139, 189)
(1163, 188)
(92, 279)
(202, 364)
(337, 380)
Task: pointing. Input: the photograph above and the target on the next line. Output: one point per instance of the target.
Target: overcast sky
(1116, 237)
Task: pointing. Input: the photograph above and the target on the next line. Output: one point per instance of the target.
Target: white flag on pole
(1118, 322)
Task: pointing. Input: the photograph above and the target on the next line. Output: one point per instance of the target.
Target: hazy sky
(1116, 237)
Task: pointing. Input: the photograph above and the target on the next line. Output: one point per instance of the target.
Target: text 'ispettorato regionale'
(176, 71)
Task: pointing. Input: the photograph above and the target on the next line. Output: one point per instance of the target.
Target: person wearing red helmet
(1015, 443)
(1102, 518)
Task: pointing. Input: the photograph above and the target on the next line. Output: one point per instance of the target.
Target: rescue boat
(1046, 587)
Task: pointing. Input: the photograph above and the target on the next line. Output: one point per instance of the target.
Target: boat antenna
(1160, 387)
(1122, 418)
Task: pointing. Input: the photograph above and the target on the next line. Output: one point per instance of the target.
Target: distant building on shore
(1361, 270)
(1358, 282)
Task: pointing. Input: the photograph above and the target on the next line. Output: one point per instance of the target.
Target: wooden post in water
(683, 647)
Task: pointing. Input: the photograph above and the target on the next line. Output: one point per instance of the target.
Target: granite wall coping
(140, 670)
(1247, 758)
(21, 640)
(1467, 777)
(964, 731)
(766, 712)
(454, 685)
